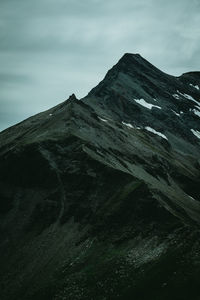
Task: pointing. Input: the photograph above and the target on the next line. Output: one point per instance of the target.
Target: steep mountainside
(100, 197)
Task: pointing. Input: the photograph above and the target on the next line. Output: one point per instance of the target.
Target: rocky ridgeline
(99, 197)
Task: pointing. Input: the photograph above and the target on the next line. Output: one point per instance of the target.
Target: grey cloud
(7, 78)
(50, 49)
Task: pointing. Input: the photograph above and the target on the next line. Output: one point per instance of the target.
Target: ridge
(99, 197)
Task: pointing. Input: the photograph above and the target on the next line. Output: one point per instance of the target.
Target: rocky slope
(99, 197)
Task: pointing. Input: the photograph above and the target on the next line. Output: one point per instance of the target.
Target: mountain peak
(72, 97)
(137, 68)
(131, 55)
(137, 64)
(113, 175)
(131, 59)
(137, 93)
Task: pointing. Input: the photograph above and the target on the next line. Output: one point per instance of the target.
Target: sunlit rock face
(99, 197)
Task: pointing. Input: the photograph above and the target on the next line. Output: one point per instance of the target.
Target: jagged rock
(99, 198)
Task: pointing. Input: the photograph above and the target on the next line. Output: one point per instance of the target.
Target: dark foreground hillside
(100, 197)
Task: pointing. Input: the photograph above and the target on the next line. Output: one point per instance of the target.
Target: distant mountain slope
(100, 197)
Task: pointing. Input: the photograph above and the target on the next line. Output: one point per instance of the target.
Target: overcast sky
(50, 49)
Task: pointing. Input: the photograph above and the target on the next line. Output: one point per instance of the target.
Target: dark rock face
(99, 197)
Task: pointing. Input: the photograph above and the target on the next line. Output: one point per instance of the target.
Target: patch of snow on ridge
(146, 104)
(189, 97)
(104, 120)
(195, 86)
(176, 113)
(196, 133)
(196, 112)
(128, 125)
(156, 132)
(176, 96)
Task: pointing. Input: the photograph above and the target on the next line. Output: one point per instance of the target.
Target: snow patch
(176, 113)
(176, 96)
(196, 133)
(195, 86)
(156, 132)
(189, 97)
(50, 115)
(104, 120)
(128, 125)
(146, 104)
(196, 112)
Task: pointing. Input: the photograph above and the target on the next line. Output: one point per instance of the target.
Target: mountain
(99, 197)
